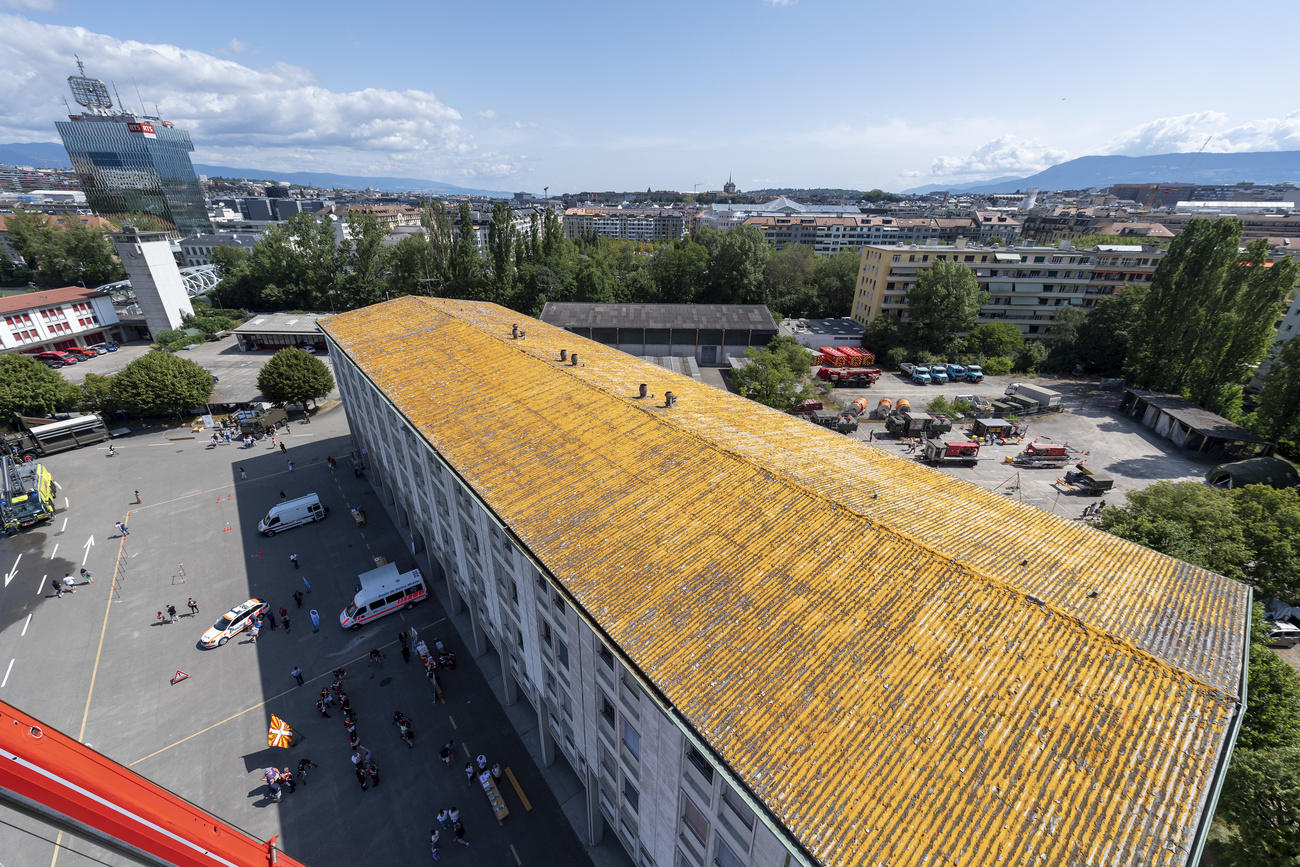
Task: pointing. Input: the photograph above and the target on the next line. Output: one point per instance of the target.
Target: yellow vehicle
(28, 498)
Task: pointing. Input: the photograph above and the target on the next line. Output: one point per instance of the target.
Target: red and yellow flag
(280, 734)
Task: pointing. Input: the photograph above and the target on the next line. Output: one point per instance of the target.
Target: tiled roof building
(752, 638)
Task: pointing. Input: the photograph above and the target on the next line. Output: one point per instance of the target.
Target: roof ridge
(994, 581)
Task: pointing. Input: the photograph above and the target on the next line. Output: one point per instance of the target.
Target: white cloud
(487, 114)
(274, 116)
(28, 5)
(1188, 132)
(237, 46)
(1004, 155)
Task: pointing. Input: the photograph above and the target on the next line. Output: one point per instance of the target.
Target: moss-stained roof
(904, 668)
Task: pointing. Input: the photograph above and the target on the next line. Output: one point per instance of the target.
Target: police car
(233, 622)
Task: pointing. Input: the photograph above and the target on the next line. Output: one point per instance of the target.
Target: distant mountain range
(1266, 167)
(52, 155)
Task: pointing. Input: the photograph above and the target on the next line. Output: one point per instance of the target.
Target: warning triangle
(178, 677)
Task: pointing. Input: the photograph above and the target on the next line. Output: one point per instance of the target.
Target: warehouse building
(711, 333)
(755, 642)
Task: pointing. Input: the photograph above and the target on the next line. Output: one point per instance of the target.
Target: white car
(233, 622)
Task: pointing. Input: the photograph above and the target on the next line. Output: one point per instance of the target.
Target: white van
(292, 513)
(382, 591)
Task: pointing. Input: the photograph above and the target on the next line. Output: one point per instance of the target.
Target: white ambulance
(382, 591)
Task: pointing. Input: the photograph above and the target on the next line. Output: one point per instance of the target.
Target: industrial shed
(711, 333)
(1193, 427)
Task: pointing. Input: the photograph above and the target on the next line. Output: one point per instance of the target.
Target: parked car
(104, 347)
(58, 356)
(81, 352)
(233, 622)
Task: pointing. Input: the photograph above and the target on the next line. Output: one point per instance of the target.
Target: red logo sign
(143, 128)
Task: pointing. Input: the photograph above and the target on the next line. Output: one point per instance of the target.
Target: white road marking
(55, 552)
(65, 525)
(7, 670)
(25, 624)
(89, 544)
(40, 588)
(66, 504)
(9, 576)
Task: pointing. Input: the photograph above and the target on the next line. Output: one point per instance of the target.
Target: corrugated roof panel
(853, 633)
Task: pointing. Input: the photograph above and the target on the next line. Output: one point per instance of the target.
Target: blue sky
(615, 95)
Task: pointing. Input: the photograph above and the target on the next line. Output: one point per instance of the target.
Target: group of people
(170, 617)
(1094, 510)
(69, 584)
(441, 658)
(448, 819)
(268, 621)
(278, 780)
(363, 762)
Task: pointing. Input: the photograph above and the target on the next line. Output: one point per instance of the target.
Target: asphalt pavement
(98, 665)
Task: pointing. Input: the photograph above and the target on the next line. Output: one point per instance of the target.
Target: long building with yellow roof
(758, 642)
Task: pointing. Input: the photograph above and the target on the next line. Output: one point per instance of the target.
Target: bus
(57, 436)
(28, 497)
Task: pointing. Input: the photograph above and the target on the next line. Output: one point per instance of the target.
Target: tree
(63, 256)
(96, 393)
(1063, 338)
(1270, 525)
(944, 301)
(736, 267)
(466, 268)
(28, 387)
(160, 383)
(1278, 415)
(776, 376)
(680, 271)
(294, 376)
(502, 240)
(361, 262)
(1208, 317)
(1032, 358)
(883, 334)
(1104, 338)
(1261, 801)
(995, 338)
(786, 278)
(836, 279)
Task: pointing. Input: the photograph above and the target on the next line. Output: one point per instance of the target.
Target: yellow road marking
(103, 630)
(523, 799)
(260, 704)
(518, 860)
(451, 719)
(58, 838)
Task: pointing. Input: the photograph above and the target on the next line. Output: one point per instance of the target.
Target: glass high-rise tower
(129, 163)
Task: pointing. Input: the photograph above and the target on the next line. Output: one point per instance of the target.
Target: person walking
(447, 752)
(315, 621)
(293, 558)
(58, 590)
(138, 501)
(253, 633)
(69, 584)
(469, 772)
(193, 606)
(270, 618)
(372, 771)
(460, 834)
(286, 777)
(443, 822)
(320, 706)
(243, 474)
(453, 816)
(297, 597)
(361, 777)
(284, 619)
(296, 674)
(290, 463)
(282, 448)
(86, 576)
(171, 612)
(433, 844)
(122, 530)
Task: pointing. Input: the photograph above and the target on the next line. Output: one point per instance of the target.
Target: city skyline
(583, 96)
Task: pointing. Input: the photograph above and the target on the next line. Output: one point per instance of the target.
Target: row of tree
(1252, 534)
(57, 256)
(300, 266)
(157, 383)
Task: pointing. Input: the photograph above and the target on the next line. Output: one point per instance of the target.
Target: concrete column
(508, 685)
(595, 819)
(476, 626)
(544, 731)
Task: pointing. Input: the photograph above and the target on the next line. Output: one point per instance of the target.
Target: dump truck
(911, 424)
(956, 372)
(261, 421)
(973, 373)
(1082, 480)
(940, 452)
(1045, 455)
(938, 374)
(921, 375)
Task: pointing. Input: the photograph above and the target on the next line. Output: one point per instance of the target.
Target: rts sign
(146, 129)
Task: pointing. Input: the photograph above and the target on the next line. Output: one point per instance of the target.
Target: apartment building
(197, 250)
(57, 319)
(1026, 285)
(827, 235)
(997, 224)
(626, 223)
(712, 609)
(1058, 224)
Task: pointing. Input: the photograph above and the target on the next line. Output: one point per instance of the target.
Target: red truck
(938, 452)
(1043, 455)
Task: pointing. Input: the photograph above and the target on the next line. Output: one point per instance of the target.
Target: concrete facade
(646, 777)
(57, 319)
(155, 277)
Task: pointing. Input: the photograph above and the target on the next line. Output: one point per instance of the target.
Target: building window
(738, 808)
(696, 758)
(724, 857)
(546, 633)
(607, 657)
(607, 711)
(562, 652)
(631, 795)
(695, 820)
(632, 741)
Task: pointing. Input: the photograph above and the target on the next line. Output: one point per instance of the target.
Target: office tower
(131, 163)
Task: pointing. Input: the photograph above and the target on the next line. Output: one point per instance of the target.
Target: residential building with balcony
(628, 224)
(1026, 285)
(57, 319)
(742, 639)
(828, 235)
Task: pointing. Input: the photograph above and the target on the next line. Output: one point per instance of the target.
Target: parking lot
(98, 664)
(236, 371)
(1091, 427)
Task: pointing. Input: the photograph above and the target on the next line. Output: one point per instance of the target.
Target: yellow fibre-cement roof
(851, 632)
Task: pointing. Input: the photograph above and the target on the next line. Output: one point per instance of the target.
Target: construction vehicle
(38, 437)
(916, 424)
(1082, 480)
(840, 421)
(28, 494)
(850, 377)
(806, 407)
(883, 408)
(973, 373)
(921, 374)
(845, 356)
(956, 372)
(1042, 455)
(938, 374)
(940, 452)
(903, 405)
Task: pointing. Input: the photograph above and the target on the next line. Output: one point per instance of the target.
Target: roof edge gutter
(1225, 758)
